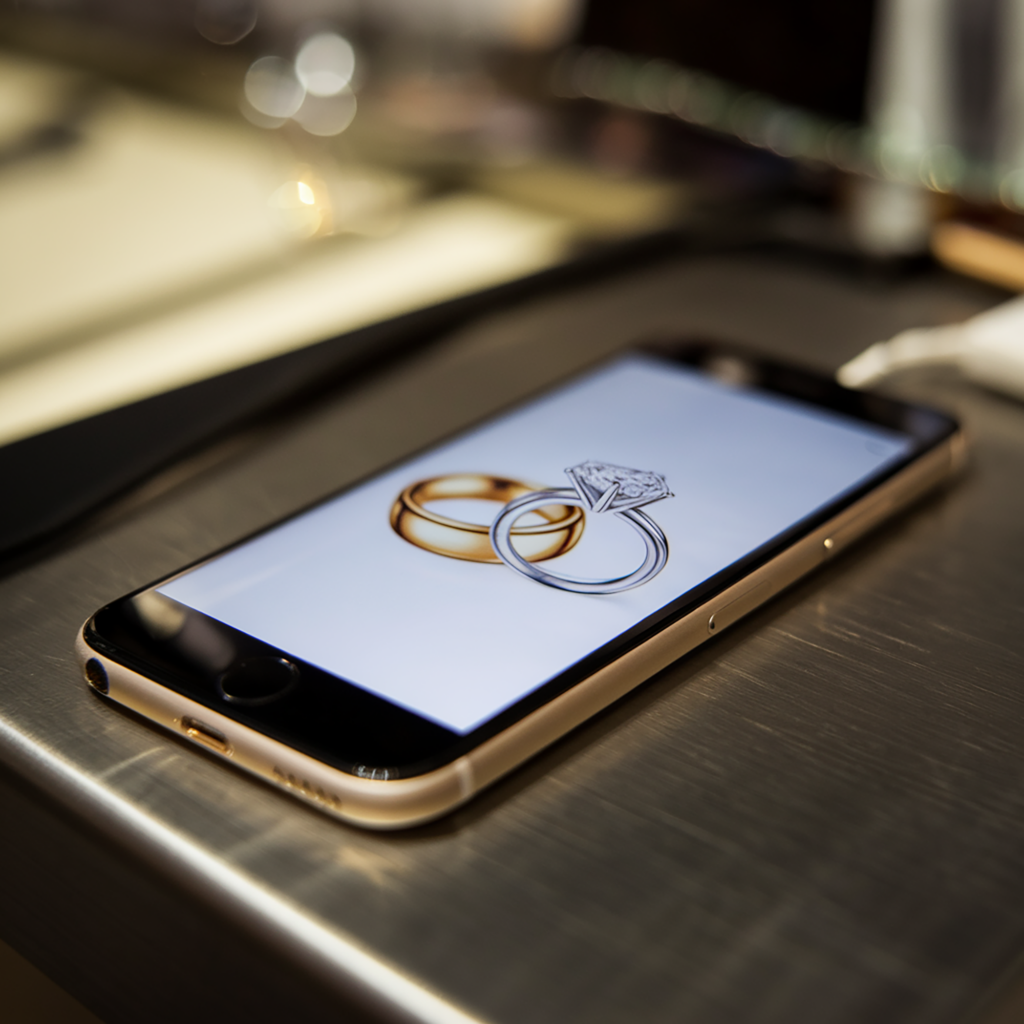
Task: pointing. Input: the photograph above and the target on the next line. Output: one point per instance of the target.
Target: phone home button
(257, 681)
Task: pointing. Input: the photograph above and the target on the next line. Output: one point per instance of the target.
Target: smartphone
(391, 651)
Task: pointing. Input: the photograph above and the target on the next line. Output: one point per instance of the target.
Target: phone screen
(456, 640)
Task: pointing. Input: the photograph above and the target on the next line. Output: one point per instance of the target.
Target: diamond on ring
(630, 488)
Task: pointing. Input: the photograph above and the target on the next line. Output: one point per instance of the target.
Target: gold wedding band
(561, 529)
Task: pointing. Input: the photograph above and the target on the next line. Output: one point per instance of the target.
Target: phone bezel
(381, 740)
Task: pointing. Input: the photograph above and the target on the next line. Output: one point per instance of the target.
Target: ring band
(453, 538)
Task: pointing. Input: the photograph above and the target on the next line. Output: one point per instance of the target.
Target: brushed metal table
(819, 816)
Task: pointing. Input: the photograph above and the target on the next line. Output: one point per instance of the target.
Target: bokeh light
(325, 64)
(272, 88)
(327, 115)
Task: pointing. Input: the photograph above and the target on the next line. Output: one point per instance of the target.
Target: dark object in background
(809, 53)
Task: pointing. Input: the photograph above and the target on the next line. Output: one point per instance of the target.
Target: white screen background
(459, 641)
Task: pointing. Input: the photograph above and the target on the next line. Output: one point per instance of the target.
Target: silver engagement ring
(598, 487)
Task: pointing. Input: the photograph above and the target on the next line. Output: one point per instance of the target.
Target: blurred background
(187, 186)
(190, 186)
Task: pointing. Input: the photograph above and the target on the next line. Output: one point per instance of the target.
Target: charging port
(201, 733)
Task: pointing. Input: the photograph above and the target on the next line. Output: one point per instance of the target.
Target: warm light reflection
(325, 64)
(297, 210)
(439, 250)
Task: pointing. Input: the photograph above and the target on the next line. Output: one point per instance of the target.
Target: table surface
(817, 816)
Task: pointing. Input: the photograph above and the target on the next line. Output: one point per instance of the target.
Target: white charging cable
(988, 348)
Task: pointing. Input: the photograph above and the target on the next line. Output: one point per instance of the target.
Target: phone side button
(850, 531)
(739, 607)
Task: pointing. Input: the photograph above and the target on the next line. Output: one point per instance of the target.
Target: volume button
(739, 607)
(849, 532)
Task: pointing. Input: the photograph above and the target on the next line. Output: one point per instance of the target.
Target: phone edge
(402, 803)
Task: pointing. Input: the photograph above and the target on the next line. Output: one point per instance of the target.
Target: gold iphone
(390, 652)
